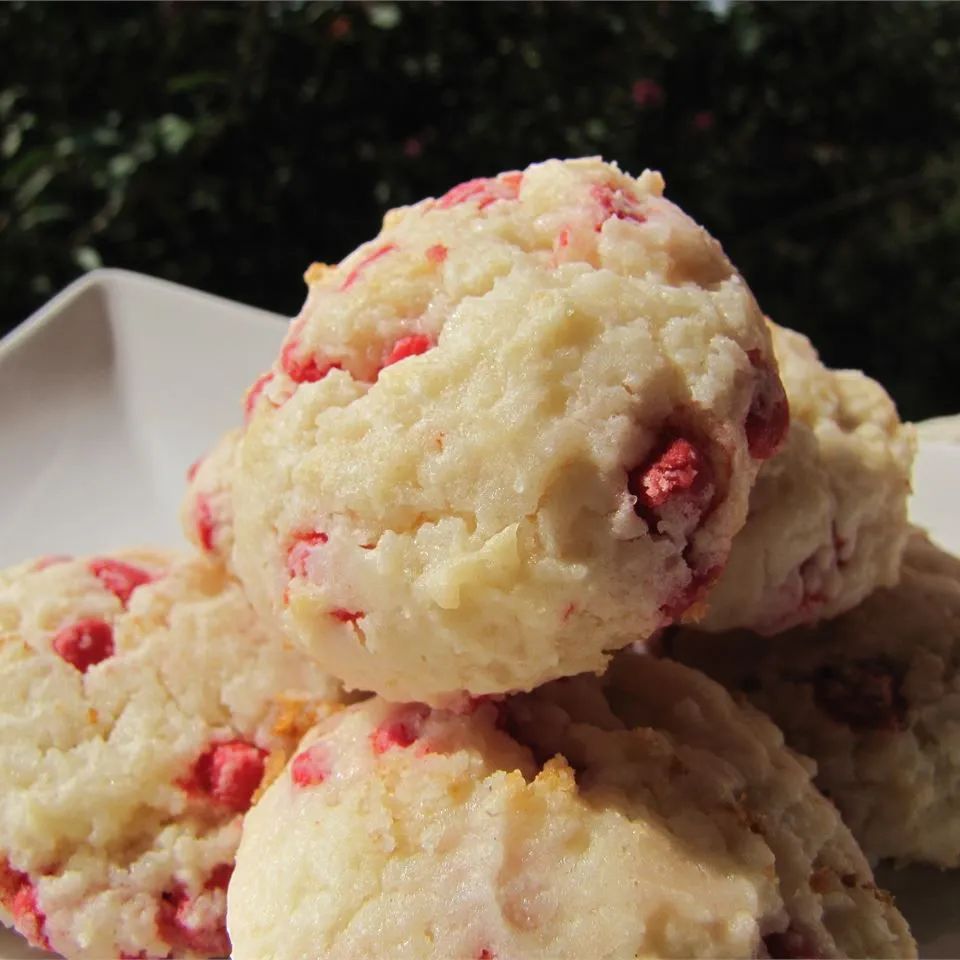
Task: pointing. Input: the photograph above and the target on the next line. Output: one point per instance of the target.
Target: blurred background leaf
(227, 146)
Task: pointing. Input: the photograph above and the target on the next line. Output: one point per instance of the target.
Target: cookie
(206, 512)
(644, 814)
(874, 697)
(828, 514)
(141, 704)
(513, 433)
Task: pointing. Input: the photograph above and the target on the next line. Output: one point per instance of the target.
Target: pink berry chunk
(84, 643)
(204, 522)
(462, 192)
(300, 551)
(253, 394)
(678, 479)
(402, 729)
(437, 253)
(228, 773)
(769, 415)
(300, 369)
(615, 202)
(219, 877)
(18, 897)
(354, 274)
(410, 346)
(346, 616)
(178, 926)
(675, 471)
(311, 767)
(483, 191)
(118, 577)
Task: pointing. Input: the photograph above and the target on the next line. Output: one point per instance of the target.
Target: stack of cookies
(529, 527)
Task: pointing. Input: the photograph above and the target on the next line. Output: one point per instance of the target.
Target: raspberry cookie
(140, 705)
(641, 815)
(510, 435)
(206, 513)
(874, 698)
(828, 514)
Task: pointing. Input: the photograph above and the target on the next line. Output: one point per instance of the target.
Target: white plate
(106, 396)
(119, 383)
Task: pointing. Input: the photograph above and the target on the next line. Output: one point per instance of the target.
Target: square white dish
(107, 395)
(109, 392)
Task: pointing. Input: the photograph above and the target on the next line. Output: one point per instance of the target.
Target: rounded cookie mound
(140, 706)
(513, 433)
(874, 697)
(828, 514)
(640, 815)
(206, 512)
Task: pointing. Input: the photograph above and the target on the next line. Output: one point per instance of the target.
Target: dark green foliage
(227, 146)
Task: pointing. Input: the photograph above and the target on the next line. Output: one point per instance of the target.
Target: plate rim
(103, 278)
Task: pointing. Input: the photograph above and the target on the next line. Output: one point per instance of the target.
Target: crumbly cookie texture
(644, 814)
(206, 512)
(828, 514)
(513, 433)
(874, 697)
(141, 707)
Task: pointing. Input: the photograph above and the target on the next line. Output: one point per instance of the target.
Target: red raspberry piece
(253, 394)
(679, 470)
(410, 346)
(228, 772)
(19, 897)
(769, 415)
(300, 551)
(437, 253)
(354, 274)
(462, 192)
(174, 925)
(484, 190)
(301, 370)
(28, 918)
(193, 468)
(10, 882)
(346, 616)
(675, 470)
(310, 767)
(219, 877)
(616, 202)
(401, 730)
(119, 578)
(486, 954)
(504, 187)
(87, 642)
(204, 522)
